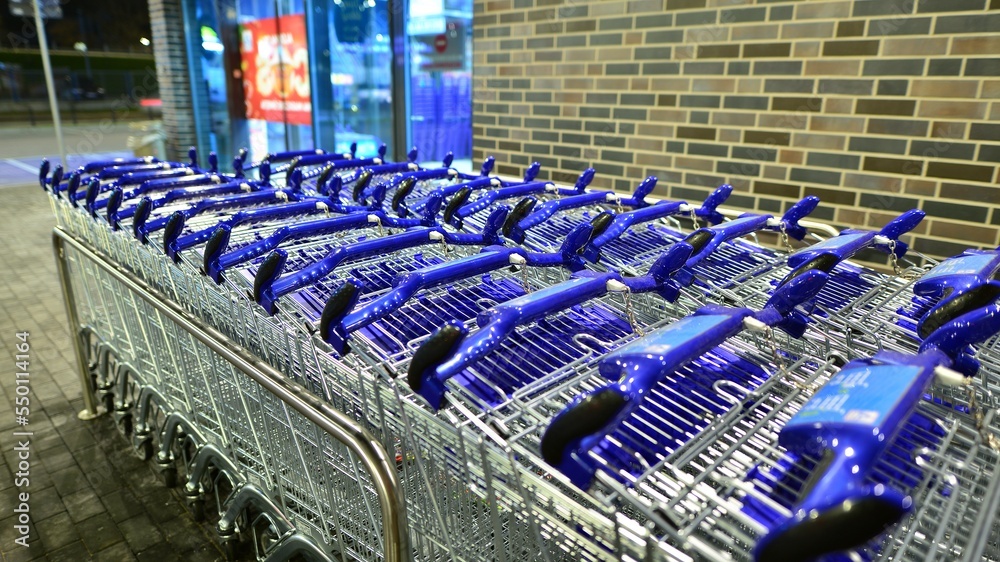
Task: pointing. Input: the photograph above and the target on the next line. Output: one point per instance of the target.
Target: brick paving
(91, 498)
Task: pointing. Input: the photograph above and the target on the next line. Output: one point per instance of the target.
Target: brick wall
(876, 106)
(170, 54)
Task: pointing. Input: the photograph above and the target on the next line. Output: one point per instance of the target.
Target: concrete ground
(90, 497)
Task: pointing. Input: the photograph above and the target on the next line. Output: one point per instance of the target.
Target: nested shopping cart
(305, 448)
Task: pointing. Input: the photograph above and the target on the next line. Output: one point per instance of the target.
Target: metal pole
(43, 46)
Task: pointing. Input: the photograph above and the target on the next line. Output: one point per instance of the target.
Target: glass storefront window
(277, 75)
(439, 77)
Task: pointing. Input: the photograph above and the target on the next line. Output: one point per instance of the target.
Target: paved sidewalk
(90, 497)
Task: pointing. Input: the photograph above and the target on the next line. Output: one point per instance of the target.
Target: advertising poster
(275, 63)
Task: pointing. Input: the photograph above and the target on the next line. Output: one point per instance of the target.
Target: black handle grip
(404, 189)
(585, 418)
(172, 230)
(339, 304)
(362, 182)
(699, 238)
(216, 244)
(142, 212)
(601, 223)
(432, 352)
(519, 211)
(822, 262)
(968, 301)
(843, 527)
(456, 201)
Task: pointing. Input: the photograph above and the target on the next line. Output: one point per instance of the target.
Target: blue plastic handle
(444, 192)
(636, 368)
(545, 211)
(850, 242)
(487, 166)
(621, 222)
(98, 165)
(277, 157)
(706, 240)
(489, 197)
(336, 324)
(428, 378)
(176, 243)
(531, 172)
(827, 254)
(959, 284)
(119, 172)
(269, 286)
(216, 261)
(183, 193)
(265, 196)
(149, 186)
(315, 159)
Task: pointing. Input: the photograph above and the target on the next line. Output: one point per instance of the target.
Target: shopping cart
(694, 472)
(720, 252)
(345, 312)
(665, 388)
(452, 352)
(276, 276)
(852, 423)
(335, 322)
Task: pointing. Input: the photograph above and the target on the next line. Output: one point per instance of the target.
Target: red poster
(275, 64)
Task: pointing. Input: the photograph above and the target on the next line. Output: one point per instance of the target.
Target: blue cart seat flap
(865, 395)
(846, 243)
(673, 344)
(969, 268)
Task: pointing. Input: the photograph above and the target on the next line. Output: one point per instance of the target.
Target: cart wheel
(229, 548)
(170, 476)
(124, 426)
(197, 509)
(109, 402)
(144, 450)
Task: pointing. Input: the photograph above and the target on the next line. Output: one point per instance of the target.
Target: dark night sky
(114, 25)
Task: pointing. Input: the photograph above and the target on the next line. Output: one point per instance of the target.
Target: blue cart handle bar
(269, 286)
(216, 261)
(116, 214)
(143, 226)
(609, 226)
(827, 254)
(338, 321)
(489, 197)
